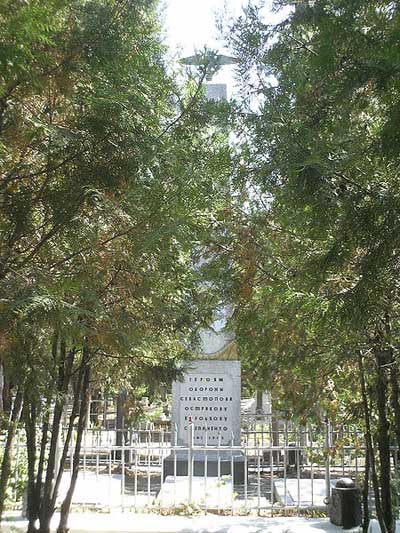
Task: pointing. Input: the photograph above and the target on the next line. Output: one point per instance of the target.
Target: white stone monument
(206, 404)
(208, 399)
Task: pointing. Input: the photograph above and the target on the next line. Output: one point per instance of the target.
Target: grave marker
(210, 395)
(209, 398)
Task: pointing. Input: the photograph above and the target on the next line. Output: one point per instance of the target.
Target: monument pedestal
(206, 422)
(217, 463)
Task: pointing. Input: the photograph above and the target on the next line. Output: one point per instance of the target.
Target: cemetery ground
(287, 472)
(122, 492)
(89, 522)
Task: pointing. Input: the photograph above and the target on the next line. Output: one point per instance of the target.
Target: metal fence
(284, 469)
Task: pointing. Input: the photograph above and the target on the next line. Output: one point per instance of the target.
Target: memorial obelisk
(206, 403)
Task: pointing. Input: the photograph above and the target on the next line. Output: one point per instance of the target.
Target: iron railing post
(327, 462)
(190, 461)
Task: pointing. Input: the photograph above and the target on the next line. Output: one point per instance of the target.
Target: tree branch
(186, 109)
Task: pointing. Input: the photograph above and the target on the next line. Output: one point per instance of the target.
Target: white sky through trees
(190, 25)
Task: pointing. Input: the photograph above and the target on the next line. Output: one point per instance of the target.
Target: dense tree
(320, 163)
(110, 182)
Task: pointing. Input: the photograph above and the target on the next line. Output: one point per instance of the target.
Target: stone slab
(211, 492)
(102, 491)
(217, 464)
(216, 91)
(302, 493)
(209, 396)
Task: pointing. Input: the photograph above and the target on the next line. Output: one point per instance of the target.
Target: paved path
(141, 523)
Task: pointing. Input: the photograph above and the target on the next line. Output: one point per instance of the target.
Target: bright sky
(191, 24)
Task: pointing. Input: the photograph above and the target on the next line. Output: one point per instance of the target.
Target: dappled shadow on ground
(152, 523)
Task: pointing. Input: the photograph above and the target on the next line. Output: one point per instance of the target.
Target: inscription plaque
(209, 395)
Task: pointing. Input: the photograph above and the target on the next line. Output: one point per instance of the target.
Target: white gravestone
(209, 396)
(209, 399)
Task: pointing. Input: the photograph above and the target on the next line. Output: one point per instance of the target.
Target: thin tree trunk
(74, 413)
(7, 458)
(30, 429)
(7, 396)
(120, 422)
(394, 381)
(395, 401)
(383, 438)
(66, 505)
(1, 386)
(259, 401)
(43, 445)
(370, 446)
(64, 376)
(366, 516)
(395, 398)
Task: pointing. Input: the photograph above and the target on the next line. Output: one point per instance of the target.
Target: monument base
(208, 492)
(216, 464)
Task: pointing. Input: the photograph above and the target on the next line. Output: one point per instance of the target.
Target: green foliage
(317, 267)
(111, 177)
(322, 187)
(19, 476)
(108, 185)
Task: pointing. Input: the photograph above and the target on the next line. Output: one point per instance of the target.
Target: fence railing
(271, 471)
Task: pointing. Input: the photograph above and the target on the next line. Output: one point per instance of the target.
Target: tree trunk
(74, 413)
(383, 437)
(121, 398)
(105, 411)
(259, 401)
(394, 381)
(7, 458)
(30, 430)
(7, 396)
(66, 505)
(366, 518)
(43, 445)
(370, 447)
(395, 398)
(64, 375)
(120, 423)
(1, 387)
(395, 401)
